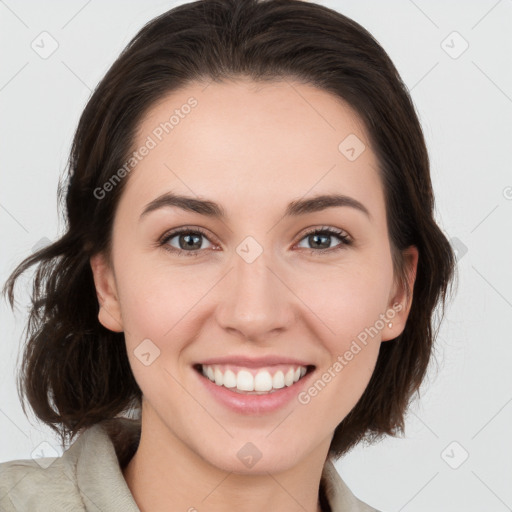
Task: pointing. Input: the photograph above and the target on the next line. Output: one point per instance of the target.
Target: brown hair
(75, 372)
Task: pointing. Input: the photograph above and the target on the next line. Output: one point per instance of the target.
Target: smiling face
(255, 281)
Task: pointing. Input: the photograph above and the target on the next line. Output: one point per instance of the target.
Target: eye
(320, 237)
(188, 240)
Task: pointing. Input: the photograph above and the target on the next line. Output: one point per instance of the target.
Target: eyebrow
(214, 210)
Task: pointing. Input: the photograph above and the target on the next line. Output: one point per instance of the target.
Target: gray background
(464, 99)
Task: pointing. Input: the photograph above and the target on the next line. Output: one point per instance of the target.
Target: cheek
(349, 301)
(157, 304)
(349, 306)
(345, 298)
(155, 295)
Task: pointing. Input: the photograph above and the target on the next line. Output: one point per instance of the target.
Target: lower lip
(254, 404)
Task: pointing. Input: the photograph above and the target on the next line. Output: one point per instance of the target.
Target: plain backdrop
(455, 58)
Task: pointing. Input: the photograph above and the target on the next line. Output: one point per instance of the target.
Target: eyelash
(345, 240)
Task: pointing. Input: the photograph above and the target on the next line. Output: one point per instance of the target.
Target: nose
(256, 302)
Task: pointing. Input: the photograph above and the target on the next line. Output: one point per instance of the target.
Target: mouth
(254, 381)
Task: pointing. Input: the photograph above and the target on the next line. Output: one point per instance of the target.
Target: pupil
(325, 237)
(190, 241)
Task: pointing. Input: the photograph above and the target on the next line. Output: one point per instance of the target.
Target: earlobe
(401, 300)
(109, 314)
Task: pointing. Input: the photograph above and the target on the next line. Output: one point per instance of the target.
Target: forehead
(265, 141)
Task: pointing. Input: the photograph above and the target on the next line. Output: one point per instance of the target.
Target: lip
(253, 404)
(254, 362)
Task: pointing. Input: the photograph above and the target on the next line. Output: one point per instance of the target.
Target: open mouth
(253, 381)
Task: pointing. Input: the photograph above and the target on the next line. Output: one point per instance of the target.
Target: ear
(106, 290)
(400, 300)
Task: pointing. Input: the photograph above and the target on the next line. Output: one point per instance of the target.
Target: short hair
(75, 372)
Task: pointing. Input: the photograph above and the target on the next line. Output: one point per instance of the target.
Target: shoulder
(340, 497)
(86, 476)
(39, 484)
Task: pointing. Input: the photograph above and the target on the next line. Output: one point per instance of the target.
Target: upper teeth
(244, 380)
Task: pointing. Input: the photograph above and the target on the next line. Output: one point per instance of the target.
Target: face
(307, 284)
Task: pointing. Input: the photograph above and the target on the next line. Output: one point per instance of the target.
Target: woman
(251, 264)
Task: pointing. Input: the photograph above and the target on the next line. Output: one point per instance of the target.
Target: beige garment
(88, 476)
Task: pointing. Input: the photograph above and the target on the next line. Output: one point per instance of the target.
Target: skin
(252, 148)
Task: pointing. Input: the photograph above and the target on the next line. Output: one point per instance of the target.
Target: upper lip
(255, 362)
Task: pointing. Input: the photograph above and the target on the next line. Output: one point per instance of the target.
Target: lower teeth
(252, 392)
